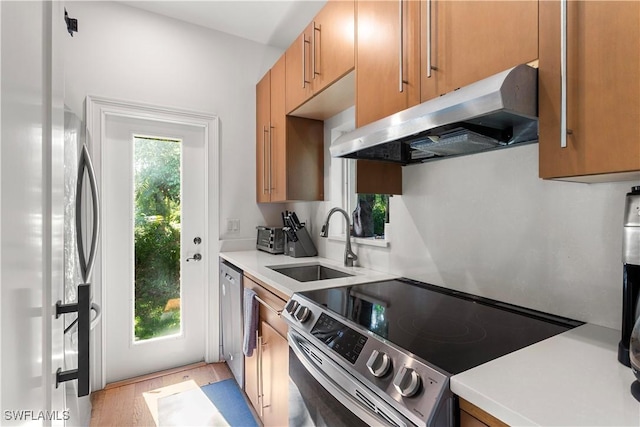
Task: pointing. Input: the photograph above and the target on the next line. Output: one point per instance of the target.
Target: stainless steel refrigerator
(81, 231)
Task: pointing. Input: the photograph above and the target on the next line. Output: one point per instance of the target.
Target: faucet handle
(324, 232)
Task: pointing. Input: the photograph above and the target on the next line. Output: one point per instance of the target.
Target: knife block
(303, 247)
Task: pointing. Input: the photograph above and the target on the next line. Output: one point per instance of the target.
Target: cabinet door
(277, 134)
(251, 380)
(387, 58)
(472, 40)
(603, 90)
(275, 377)
(298, 71)
(332, 42)
(263, 114)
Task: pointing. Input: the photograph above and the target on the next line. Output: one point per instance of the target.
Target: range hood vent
(498, 111)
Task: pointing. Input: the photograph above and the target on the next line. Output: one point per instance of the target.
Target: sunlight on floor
(182, 404)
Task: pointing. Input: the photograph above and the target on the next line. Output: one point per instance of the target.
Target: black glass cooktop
(452, 330)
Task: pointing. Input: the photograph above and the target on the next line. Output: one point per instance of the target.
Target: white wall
(486, 224)
(126, 53)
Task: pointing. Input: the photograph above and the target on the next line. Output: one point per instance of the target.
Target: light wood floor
(122, 404)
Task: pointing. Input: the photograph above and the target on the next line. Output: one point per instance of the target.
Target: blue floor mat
(228, 398)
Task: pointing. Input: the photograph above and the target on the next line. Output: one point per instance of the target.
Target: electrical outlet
(233, 225)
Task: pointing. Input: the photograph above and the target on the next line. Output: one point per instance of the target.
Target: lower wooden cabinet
(472, 416)
(275, 377)
(267, 370)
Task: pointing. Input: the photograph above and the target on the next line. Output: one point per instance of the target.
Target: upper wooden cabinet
(289, 150)
(387, 77)
(387, 58)
(322, 54)
(263, 126)
(466, 41)
(298, 76)
(603, 91)
(333, 43)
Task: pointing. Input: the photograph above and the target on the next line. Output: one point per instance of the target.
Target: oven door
(324, 394)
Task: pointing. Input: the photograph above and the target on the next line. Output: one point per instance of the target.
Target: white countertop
(256, 264)
(571, 379)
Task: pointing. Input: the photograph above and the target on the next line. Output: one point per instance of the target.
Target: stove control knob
(302, 314)
(291, 306)
(378, 363)
(407, 382)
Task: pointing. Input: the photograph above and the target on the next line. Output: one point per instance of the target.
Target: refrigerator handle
(94, 322)
(86, 265)
(83, 308)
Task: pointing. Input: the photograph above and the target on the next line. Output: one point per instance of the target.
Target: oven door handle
(344, 397)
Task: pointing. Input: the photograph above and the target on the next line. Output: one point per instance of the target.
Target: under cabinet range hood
(497, 111)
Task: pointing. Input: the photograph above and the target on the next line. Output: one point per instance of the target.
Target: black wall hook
(72, 24)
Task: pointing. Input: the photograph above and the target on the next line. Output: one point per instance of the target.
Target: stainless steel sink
(309, 272)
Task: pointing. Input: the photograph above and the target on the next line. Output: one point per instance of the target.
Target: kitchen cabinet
(472, 416)
(267, 370)
(263, 124)
(373, 177)
(387, 77)
(467, 41)
(602, 91)
(387, 58)
(298, 77)
(289, 150)
(320, 56)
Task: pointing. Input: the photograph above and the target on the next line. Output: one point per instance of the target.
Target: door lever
(195, 257)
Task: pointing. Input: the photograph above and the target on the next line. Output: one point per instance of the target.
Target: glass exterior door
(155, 175)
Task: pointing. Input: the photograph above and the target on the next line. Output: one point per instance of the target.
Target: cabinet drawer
(272, 304)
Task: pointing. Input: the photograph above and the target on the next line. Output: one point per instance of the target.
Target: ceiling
(273, 23)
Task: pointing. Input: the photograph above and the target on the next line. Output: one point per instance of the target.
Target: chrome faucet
(349, 256)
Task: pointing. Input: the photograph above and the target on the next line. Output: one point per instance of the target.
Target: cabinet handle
(268, 306)
(430, 65)
(263, 406)
(271, 128)
(259, 361)
(313, 50)
(305, 42)
(564, 130)
(401, 58)
(264, 160)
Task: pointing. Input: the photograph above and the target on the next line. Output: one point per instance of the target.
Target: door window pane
(157, 197)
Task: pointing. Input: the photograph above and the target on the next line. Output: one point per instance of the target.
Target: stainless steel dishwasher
(231, 325)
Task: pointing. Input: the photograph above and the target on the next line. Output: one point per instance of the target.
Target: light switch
(233, 225)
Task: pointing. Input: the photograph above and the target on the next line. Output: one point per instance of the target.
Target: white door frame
(97, 110)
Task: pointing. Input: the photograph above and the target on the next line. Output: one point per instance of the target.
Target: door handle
(195, 257)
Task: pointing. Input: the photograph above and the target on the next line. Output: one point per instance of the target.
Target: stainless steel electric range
(382, 353)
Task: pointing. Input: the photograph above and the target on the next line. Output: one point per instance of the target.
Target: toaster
(270, 239)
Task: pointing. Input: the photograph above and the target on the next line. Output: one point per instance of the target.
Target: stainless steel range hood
(497, 111)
